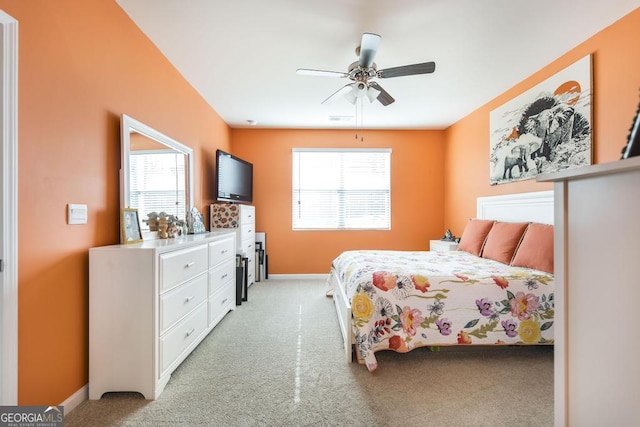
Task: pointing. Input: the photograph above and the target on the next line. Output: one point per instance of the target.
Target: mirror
(156, 173)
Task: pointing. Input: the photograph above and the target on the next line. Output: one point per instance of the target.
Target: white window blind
(158, 183)
(341, 189)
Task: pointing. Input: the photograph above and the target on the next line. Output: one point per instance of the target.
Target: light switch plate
(76, 214)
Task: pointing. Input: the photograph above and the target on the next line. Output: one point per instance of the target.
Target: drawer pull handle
(191, 264)
(250, 231)
(224, 300)
(190, 332)
(187, 299)
(222, 252)
(224, 276)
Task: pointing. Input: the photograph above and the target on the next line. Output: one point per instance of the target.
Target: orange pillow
(536, 249)
(474, 235)
(502, 241)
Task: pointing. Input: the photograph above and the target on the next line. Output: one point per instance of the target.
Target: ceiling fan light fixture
(351, 96)
(360, 88)
(372, 94)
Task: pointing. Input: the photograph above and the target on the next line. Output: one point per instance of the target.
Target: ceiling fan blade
(340, 92)
(368, 49)
(384, 97)
(407, 70)
(320, 73)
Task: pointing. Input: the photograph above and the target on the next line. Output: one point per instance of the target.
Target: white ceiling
(242, 55)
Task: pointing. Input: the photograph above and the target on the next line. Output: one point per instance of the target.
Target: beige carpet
(278, 361)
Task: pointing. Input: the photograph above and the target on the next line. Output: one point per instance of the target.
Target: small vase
(163, 225)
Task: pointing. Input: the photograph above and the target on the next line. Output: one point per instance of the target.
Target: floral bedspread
(402, 300)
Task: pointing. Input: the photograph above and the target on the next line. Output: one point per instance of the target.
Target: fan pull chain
(357, 119)
(356, 105)
(361, 120)
(360, 117)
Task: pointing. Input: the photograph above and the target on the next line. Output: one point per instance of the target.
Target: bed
(497, 289)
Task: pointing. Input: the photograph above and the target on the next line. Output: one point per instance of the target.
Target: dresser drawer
(222, 250)
(176, 341)
(247, 215)
(179, 266)
(221, 275)
(223, 300)
(248, 248)
(251, 269)
(247, 232)
(181, 300)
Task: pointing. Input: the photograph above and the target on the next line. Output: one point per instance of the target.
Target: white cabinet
(222, 278)
(150, 305)
(242, 220)
(442, 246)
(596, 234)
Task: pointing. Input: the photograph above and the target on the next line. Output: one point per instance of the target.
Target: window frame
(339, 221)
(140, 191)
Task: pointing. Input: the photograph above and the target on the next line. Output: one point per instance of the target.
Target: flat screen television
(234, 182)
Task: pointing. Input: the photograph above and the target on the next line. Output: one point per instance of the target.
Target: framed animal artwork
(545, 129)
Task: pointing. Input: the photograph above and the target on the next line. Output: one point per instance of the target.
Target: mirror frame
(128, 125)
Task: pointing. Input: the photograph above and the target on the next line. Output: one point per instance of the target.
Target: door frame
(9, 209)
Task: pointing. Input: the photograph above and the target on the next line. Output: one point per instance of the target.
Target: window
(344, 189)
(157, 177)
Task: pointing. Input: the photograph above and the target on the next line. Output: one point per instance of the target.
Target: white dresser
(242, 220)
(596, 234)
(150, 305)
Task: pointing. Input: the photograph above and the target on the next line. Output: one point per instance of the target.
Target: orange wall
(81, 65)
(615, 80)
(416, 194)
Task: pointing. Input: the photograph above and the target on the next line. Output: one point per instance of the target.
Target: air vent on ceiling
(340, 118)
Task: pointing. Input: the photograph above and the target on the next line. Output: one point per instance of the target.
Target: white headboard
(521, 207)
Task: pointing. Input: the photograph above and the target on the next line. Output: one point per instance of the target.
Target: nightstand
(442, 246)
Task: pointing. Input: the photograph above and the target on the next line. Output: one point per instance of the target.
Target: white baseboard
(75, 399)
(298, 276)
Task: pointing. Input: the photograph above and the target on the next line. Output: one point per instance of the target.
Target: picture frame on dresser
(195, 222)
(130, 226)
(633, 141)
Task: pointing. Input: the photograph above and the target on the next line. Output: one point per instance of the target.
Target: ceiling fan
(364, 70)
